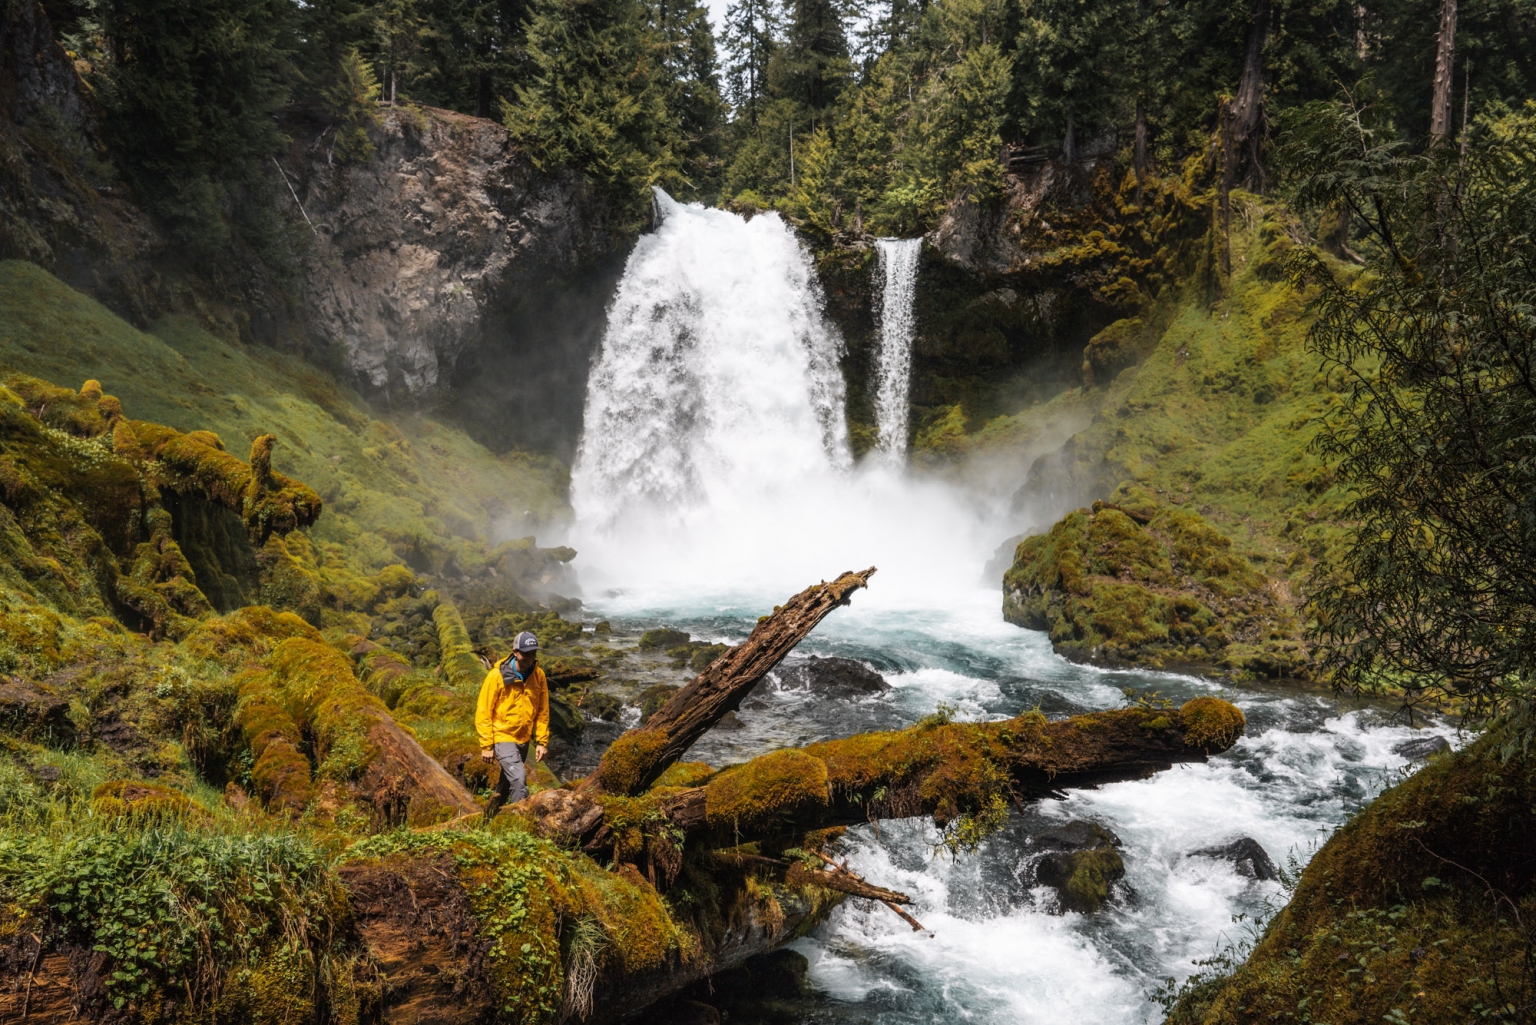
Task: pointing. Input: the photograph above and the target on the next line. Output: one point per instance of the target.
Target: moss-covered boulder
(1135, 582)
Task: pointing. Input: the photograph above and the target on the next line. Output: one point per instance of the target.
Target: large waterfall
(897, 269)
(714, 480)
(714, 449)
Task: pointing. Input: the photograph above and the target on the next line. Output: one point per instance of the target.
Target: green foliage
(352, 101)
(1417, 910)
(1433, 438)
(168, 905)
(190, 90)
(1134, 581)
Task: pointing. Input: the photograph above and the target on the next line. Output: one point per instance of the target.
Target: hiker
(513, 709)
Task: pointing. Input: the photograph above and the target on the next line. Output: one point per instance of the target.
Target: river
(714, 480)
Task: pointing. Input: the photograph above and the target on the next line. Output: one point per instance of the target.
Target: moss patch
(1140, 582)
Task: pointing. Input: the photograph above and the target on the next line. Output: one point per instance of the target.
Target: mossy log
(962, 775)
(308, 688)
(638, 758)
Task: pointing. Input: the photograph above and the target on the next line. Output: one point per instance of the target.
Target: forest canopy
(850, 115)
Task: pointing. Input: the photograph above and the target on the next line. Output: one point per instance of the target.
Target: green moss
(629, 759)
(457, 651)
(529, 896)
(781, 783)
(1135, 581)
(1212, 724)
(1083, 878)
(141, 799)
(662, 637)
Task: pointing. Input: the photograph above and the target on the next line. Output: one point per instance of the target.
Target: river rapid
(714, 480)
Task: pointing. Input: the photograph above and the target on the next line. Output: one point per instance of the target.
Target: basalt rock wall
(444, 271)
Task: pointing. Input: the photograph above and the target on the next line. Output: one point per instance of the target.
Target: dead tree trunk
(639, 757)
(1445, 58)
(1239, 128)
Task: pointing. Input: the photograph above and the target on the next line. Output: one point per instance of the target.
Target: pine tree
(751, 38)
(813, 66)
(192, 93)
(690, 82)
(595, 101)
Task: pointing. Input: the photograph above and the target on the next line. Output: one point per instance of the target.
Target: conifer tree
(595, 100)
(813, 65)
(751, 37)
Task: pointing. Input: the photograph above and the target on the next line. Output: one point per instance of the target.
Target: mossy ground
(1216, 420)
(1137, 582)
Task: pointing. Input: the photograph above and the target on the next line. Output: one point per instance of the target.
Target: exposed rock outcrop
(418, 248)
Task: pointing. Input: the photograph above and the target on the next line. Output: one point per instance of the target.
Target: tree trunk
(1239, 122)
(639, 757)
(1141, 148)
(952, 772)
(1445, 58)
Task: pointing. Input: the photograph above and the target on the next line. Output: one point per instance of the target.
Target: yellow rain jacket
(512, 713)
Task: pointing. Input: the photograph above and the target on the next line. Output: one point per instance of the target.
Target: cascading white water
(896, 265)
(713, 480)
(716, 365)
(714, 450)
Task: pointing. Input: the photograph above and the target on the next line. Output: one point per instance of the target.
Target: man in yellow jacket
(513, 709)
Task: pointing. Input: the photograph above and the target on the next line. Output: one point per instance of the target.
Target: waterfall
(897, 267)
(714, 453)
(718, 378)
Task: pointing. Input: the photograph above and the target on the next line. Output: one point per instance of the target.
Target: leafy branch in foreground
(1436, 434)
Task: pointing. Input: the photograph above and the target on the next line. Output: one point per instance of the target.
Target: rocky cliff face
(419, 249)
(445, 270)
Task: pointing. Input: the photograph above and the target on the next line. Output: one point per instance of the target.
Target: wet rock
(652, 698)
(662, 637)
(1083, 864)
(1248, 858)
(1418, 749)
(1082, 879)
(730, 721)
(34, 711)
(833, 676)
(1076, 835)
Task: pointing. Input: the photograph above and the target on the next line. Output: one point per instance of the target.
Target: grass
(404, 488)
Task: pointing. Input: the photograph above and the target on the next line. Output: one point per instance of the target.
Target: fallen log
(638, 758)
(963, 775)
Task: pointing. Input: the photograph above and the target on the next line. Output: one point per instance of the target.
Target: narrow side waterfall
(897, 269)
(714, 452)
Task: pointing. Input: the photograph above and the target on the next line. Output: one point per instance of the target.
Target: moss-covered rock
(1414, 911)
(1133, 581)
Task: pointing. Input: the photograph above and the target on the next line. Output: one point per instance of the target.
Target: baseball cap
(525, 641)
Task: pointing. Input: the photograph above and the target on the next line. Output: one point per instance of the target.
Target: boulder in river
(1246, 855)
(1418, 749)
(833, 676)
(1083, 867)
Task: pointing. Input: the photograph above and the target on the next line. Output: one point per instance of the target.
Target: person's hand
(486, 754)
(539, 752)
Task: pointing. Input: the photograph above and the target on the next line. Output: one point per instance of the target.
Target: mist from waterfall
(714, 455)
(896, 268)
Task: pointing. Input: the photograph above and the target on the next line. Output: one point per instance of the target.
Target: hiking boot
(493, 806)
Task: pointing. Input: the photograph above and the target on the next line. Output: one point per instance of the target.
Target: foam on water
(714, 480)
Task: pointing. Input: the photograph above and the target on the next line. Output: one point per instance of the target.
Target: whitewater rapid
(714, 479)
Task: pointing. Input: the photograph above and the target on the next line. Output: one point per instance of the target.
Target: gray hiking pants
(513, 785)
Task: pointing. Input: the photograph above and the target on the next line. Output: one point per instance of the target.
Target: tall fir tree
(751, 38)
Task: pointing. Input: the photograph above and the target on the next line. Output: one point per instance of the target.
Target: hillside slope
(1215, 422)
(409, 490)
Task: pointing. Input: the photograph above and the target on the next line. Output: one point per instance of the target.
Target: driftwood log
(638, 758)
